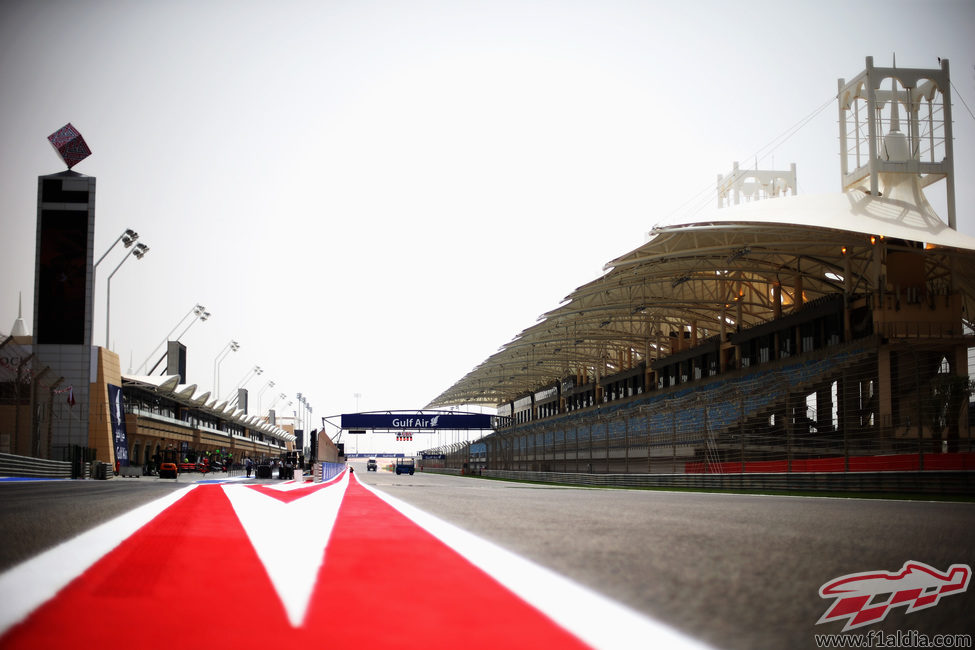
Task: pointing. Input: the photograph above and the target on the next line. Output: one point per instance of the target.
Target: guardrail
(27, 467)
(948, 483)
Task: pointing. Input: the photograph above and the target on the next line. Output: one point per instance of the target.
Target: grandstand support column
(722, 339)
(589, 469)
(884, 402)
(797, 299)
(673, 438)
(741, 426)
(847, 296)
(845, 396)
(576, 428)
(797, 341)
(961, 370)
(565, 449)
(708, 462)
(824, 409)
(626, 443)
(877, 260)
(790, 428)
(776, 314)
(646, 420)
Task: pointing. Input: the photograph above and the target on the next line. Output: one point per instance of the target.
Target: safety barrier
(958, 483)
(327, 471)
(27, 467)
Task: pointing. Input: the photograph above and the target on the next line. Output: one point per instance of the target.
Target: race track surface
(422, 561)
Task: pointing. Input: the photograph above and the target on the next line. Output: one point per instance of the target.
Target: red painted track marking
(394, 585)
(188, 579)
(191, 579)
(287, 496)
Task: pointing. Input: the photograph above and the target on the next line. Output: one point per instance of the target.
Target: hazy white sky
(372, 197)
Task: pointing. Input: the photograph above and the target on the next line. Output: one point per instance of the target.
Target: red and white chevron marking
(336, 564)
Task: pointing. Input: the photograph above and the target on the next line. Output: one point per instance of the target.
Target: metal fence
(29, 393)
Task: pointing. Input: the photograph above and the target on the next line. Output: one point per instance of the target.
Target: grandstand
(782, 333)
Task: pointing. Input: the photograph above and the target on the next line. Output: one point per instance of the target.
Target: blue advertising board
(420, 420)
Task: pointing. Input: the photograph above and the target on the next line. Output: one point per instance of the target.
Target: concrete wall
(107, 370)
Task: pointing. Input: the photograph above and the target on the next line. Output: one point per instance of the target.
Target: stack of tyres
(263, 471)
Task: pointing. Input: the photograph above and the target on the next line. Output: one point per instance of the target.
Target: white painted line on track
(290, 538)
(597, 620)
(26, 586)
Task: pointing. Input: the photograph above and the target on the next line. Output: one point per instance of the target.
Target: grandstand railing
(755, 421)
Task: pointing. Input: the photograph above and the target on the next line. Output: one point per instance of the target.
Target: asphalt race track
(36, 515)
(735, 571)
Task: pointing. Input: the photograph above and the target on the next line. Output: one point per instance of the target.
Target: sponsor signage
(117, 412)
(428, 421)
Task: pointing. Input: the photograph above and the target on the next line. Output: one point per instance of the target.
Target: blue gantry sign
(417, 420)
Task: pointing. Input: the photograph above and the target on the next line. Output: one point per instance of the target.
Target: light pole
(233, 346)
(269, 384)
(201, 315)
(197, 310)
(310, 420)
(277, 399)
(128, 238)
(253, 372)
(139, 250)
(300, 420)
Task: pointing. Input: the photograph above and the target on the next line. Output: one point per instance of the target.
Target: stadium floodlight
(195, 310)
(139, 250)
(233, 346)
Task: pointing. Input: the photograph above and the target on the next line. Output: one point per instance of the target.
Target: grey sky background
(372, 197)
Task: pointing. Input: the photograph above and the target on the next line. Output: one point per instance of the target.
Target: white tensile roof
(703, 270)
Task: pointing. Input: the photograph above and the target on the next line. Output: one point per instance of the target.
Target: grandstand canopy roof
(724, 268)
